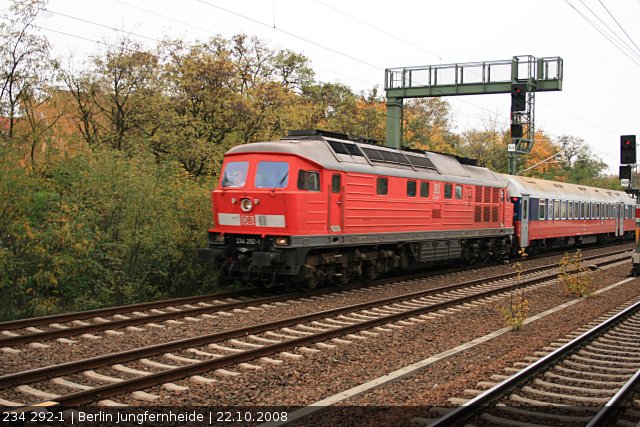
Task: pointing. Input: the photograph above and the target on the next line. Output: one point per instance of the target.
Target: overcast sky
(352, 42)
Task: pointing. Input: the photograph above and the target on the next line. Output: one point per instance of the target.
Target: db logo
(248, 220)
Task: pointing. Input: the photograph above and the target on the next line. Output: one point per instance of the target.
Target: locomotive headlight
(216, 238)
(246, 205)
(282, 241)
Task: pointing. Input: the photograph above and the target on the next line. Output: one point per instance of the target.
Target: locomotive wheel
(311, 277)
(369, 271)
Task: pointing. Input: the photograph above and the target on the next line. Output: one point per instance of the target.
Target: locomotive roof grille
(382, 156)
(344, 148)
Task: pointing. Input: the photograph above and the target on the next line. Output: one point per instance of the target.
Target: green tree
(25, 62)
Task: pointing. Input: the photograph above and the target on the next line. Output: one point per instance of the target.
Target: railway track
(77, 327)
(589, 380)
(226, 352)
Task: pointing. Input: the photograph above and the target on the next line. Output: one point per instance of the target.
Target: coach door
(619, 219)
(336, 204)
(524, 222)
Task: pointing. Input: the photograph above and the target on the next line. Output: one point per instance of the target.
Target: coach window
(583, 215)
(550, 209)
(570, 210)
(458, 191)
(424, 189)
(448, 191)
(564, 210)
(335, 183)
(525, 209)
(576, 210)
(542, 209)
(382, 186)
(308, 180)
(411, 188)
(556, 209)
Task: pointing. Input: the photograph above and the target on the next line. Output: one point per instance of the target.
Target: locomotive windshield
(272, 175)
(235, 174)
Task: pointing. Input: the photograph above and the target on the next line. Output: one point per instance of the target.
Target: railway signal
(625, 172)
(627, 149)
(518, 97)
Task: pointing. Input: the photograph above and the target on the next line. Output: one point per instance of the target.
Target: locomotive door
(336, 205)
(524, 222)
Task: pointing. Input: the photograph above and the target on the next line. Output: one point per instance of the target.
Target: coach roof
(543, 189)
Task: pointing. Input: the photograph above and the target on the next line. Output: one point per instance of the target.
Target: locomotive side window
(542, 209)
(308, 180)
(235, 174)
(411, 188)
(382, 186)
(272, 175)
(424, 189)
(335, 183)
(448, 191)
(458, 191)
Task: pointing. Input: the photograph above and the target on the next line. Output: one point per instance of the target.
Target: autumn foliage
(106, 167)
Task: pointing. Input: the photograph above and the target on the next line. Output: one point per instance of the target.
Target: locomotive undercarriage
(307, 268)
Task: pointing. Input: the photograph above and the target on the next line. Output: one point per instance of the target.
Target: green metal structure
(475, 78)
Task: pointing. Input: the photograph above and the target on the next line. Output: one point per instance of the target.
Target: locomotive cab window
(458, 191)
(335, 183)
(424, 189)
(382, 186)
(448, 191)
(235, 174)
(308, 180)
(542, 209)
(272, 175)
(411, 188)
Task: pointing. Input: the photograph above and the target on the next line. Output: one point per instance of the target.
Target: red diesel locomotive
(316, 207)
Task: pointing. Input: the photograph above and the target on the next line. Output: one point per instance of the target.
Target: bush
(99, 229)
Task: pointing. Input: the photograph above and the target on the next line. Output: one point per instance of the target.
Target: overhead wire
(620, 26)
(611, 32)
(285, 32)
(617, 46)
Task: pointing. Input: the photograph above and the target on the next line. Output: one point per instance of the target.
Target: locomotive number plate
(253, 241)
(248, 219)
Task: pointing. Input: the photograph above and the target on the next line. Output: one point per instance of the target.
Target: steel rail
(117, 324)
(108, 311)
(612, 407)
(103, 392)
(459, 415)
